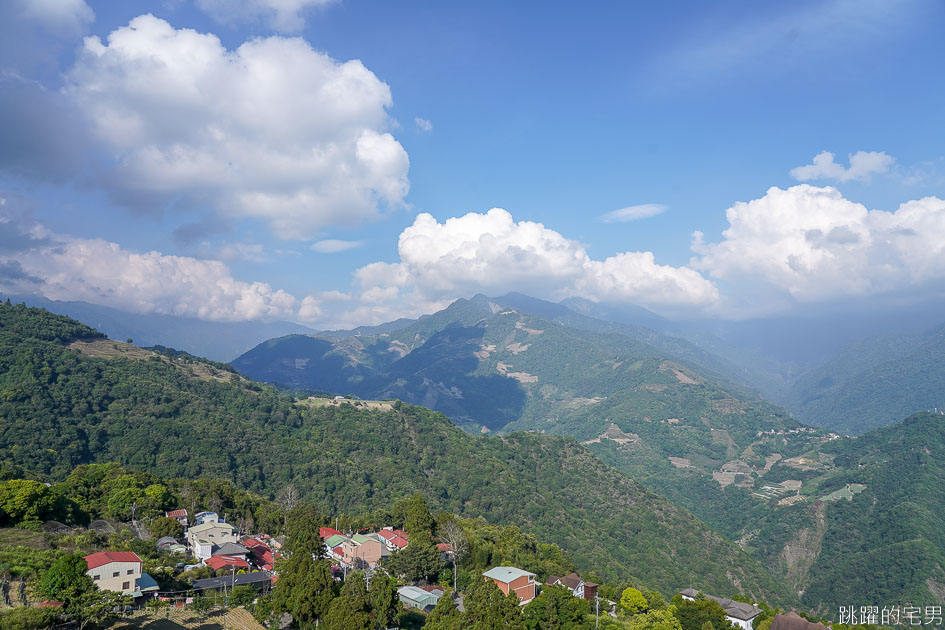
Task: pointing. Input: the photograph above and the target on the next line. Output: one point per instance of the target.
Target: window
(116, 573)
(125, 586)
(130, 571)
(96, 577)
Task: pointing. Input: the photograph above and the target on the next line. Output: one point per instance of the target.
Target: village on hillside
(228, 569)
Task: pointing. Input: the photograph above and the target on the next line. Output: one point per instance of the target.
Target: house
(232, 549)
(179, 515)
(227, 562)
(793, 621)
(260, 580)
(260, 554)
(577, 586)
(204, 539)
(522, 583)
(394, 539)
(360, 548)
(333, 546)
(207, 517)
(119, 571)
(327, 532)
(419, 598)
(740, 614)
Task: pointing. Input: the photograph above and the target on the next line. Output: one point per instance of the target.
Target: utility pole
(597, 611)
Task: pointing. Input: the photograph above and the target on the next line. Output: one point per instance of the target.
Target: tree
(693, 615)
(453, 535)
(351, 610)
(385, 605)
(27, 618)
(654, 601)
(556, 609)
(632, 601)
(487, 607)
(66, 581)
(662, 619)
(288, 499)
(25, 500)
(166, 526)
(419, 520)
(419, 561)
(306, 587)
(98, 606)
(445, 615)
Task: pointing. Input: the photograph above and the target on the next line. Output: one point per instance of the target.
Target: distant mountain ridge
(219, 341)
(874, 382)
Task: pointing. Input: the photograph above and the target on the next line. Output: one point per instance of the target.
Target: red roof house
(250, 543)
(327, 532)
(225, 562)
(104, 557)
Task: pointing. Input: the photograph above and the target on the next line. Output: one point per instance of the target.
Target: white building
(204, 539)
(119, 571)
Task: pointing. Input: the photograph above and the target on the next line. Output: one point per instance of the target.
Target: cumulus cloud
(863, 165)
(272, 130)
(333, 246)
(423, 125)
(286, 16)
(94, 270)
(813, 244)
(634, 213)
(493, 253)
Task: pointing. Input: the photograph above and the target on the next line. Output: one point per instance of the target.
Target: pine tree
(445, 616)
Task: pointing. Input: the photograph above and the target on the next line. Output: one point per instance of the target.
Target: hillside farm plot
(846, 492)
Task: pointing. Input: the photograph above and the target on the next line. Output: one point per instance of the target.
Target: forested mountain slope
(60, 407)
(873, 382)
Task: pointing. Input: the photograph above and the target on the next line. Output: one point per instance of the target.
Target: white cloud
(423, 125)
(634, 213)
(94, 270)
(273, 130)
(333, 246)
(492, 253)
(863, 165)
(286, 16)
(813, 244)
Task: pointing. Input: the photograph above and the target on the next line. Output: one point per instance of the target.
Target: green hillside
(873, 383)
(64, 405)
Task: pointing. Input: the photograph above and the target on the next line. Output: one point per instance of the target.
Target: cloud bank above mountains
(802, 245)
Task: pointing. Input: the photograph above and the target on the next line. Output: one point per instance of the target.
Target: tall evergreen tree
(445, 615)
(385, 605)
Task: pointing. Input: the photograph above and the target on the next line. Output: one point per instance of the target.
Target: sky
(340, 163)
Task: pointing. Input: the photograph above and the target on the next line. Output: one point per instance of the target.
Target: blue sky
(161, 169)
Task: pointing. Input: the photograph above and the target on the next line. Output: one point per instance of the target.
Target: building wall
(740, 623)
(104, 576)
(217, 535)
(523, 586)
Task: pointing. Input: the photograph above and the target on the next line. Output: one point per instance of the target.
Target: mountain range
(654, 406)
(69, 396)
